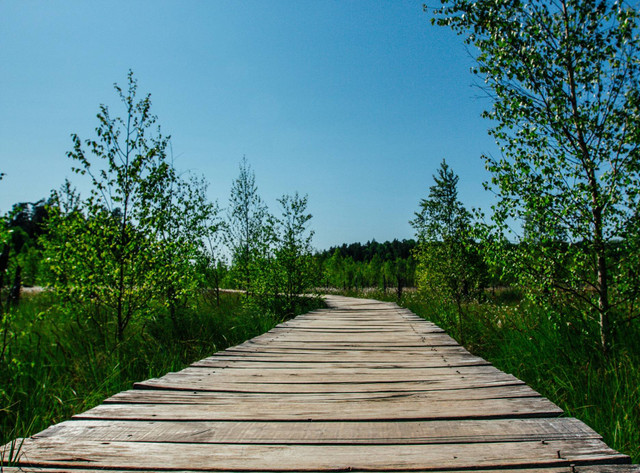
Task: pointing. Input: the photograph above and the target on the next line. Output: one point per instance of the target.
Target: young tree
(334, 270)
(294, 252)
(132, 241)
(211, 263)
(246, 229)
(65, 214)
(180, 214)
(564, 79)
(445, 254)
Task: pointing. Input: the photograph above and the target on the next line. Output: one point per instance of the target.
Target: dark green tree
(446, 254)
(20, 246)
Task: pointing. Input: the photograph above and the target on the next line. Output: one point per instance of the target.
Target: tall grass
(56, 365)
(555, 358)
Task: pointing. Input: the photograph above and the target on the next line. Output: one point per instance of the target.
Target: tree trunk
(14, 293)
(589, 168)
(460, 330)
(400, 287)
(603, 304)
(4, 263)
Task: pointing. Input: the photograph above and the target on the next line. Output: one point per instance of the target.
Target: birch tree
(563, 76)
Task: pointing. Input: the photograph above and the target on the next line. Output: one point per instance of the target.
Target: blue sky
(354, 103)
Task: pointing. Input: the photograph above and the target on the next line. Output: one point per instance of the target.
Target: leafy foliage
(246, 226)
(132, 241)
(293, 250)
(132, 269)
(565, 82)
(271, 256)
(448, 261)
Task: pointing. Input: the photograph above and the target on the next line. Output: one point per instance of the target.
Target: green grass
(52, 369)
(56, 364)
(554, 358)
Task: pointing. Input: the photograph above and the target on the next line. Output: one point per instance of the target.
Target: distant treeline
(372, 264)
(359, 252)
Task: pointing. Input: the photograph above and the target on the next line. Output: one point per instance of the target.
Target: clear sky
(352, 102)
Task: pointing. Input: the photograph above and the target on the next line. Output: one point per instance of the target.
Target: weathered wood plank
(176, 383)
(331, 381)
(616, 468)
(258, 457)
(348, 345)
(352, 354)
(342, 329)
(205, 397)
(345, 410)
(346, 349)
(339, 373)
(399, 338)
(325, 320)
(287, 363)
(342, 433)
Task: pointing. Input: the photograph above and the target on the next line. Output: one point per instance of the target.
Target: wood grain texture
(599, 468)
(348, 410)
(204, 397)
(53, 452)
(343, 433)
(179, 384)
(361, 385)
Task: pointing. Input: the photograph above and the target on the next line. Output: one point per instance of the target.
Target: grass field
(558, 362)
(55, 365)
(51, 369)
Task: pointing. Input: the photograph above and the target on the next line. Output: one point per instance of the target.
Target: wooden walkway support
(360, 386)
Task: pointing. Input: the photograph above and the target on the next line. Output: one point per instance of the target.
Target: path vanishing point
(360, 386)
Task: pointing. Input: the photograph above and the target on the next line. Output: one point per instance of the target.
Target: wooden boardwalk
(360, 386)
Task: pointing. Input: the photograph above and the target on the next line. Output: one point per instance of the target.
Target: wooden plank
(175, 383)
(287, 363)
(342, 329)
(344, 410)
(361, 333)
(398, 338)
(60, 453)
(352, 353)
(371, 322)
(340, 433)
(457, 377)
(598, 468)
(347, 349)
(205, 397)
(340, 372)
(350, 345)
